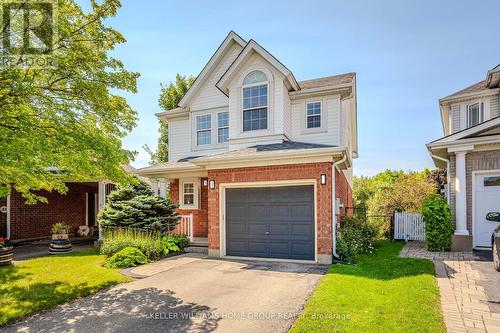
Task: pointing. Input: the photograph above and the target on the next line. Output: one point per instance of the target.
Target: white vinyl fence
(409, 226)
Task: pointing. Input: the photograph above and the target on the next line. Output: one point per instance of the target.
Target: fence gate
(409, 226)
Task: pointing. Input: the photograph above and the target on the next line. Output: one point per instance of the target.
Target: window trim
(196, 184)
(266, 83)
(222, 127)
(320, 115)
(481, 113)
(203, 130)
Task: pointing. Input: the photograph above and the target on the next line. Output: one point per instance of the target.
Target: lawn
(40, 284)
(382, 293)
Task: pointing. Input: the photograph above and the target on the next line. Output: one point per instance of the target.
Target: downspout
(8, 217)
(334, 217)
(447, 174)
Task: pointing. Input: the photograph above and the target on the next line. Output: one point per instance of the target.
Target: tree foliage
(170, 97)
(135, 206)
(389, 191)
(67, 116)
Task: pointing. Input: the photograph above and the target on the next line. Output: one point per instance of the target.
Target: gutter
(447, 161)
(334, 217)
(8, 217)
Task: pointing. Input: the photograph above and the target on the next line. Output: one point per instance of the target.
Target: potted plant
(60, 242)
(60, 231)
(5, 252)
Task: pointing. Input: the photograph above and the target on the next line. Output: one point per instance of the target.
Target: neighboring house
(261, 162)
(470, 150)
(79, 206)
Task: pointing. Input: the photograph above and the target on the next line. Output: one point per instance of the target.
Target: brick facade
(275, 173)
(35, 221)
(206, 218)
(200, 216)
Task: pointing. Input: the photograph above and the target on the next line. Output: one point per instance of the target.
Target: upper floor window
(255, 101)
(222, 127)
(204, 129)
(313, 116)
(475, 114)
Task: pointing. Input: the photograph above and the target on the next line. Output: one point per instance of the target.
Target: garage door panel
(301, 210)
(301, 248)
(276, 218)
(279, 211)
(486, 200)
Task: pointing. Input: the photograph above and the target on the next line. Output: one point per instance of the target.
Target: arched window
(255, 101)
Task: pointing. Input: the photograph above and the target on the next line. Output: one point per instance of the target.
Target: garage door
(274, 222)
(486, 200)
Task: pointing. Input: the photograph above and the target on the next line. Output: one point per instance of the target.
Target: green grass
(382, 293)
(42, 283)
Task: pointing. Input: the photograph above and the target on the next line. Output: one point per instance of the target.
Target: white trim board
(264, 184)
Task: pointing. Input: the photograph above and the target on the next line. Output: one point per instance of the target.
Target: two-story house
(470, 150)
(260, 161)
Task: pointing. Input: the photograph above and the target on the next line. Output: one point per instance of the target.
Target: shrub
(356, 236)
(117, 239)
(438, 227)
(151, 243)
(135, 206)
(128, 257)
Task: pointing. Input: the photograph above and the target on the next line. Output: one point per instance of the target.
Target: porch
(185, 227)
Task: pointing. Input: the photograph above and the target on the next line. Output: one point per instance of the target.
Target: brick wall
(200, 217)
(343, 192)
(273, 173)
(33, 221)
(3, 219)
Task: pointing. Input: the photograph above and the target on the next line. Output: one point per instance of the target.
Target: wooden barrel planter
(58, 246)
(6, 255)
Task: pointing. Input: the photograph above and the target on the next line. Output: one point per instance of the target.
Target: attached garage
(270, 222)
(486, 200)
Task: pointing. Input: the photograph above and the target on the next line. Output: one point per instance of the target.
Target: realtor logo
(28, 32)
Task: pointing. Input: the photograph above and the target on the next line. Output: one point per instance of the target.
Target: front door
(486, 200)
(91, 203)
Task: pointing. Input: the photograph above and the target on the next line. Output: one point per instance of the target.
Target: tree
(67, 116)
(136, 206)
(391, 191)
(170, 97)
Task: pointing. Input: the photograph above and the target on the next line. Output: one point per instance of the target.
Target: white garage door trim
(474, 174)
(263, 184)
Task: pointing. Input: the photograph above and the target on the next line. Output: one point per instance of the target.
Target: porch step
(196, 249)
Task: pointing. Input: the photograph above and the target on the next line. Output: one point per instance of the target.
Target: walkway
(466, 303)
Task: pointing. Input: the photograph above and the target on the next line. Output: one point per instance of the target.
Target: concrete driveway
(190, 294)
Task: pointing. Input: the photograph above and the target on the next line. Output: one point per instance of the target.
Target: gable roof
(232, 37)
(253, 46)
(476, 87)
(493, 77)
(468, 133)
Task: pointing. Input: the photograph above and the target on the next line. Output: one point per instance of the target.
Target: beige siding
(179, 139)
(455, 118)
(330, 111)
(495, 106)
(209, 96)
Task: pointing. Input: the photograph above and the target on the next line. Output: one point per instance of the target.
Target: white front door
(486, 200)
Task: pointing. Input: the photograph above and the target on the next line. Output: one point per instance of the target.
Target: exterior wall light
(323, 179)
(205, 182)
(212, 184)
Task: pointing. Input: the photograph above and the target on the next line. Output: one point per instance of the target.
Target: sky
(407, 55)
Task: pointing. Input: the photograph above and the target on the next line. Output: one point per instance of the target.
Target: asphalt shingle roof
(327, 81)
